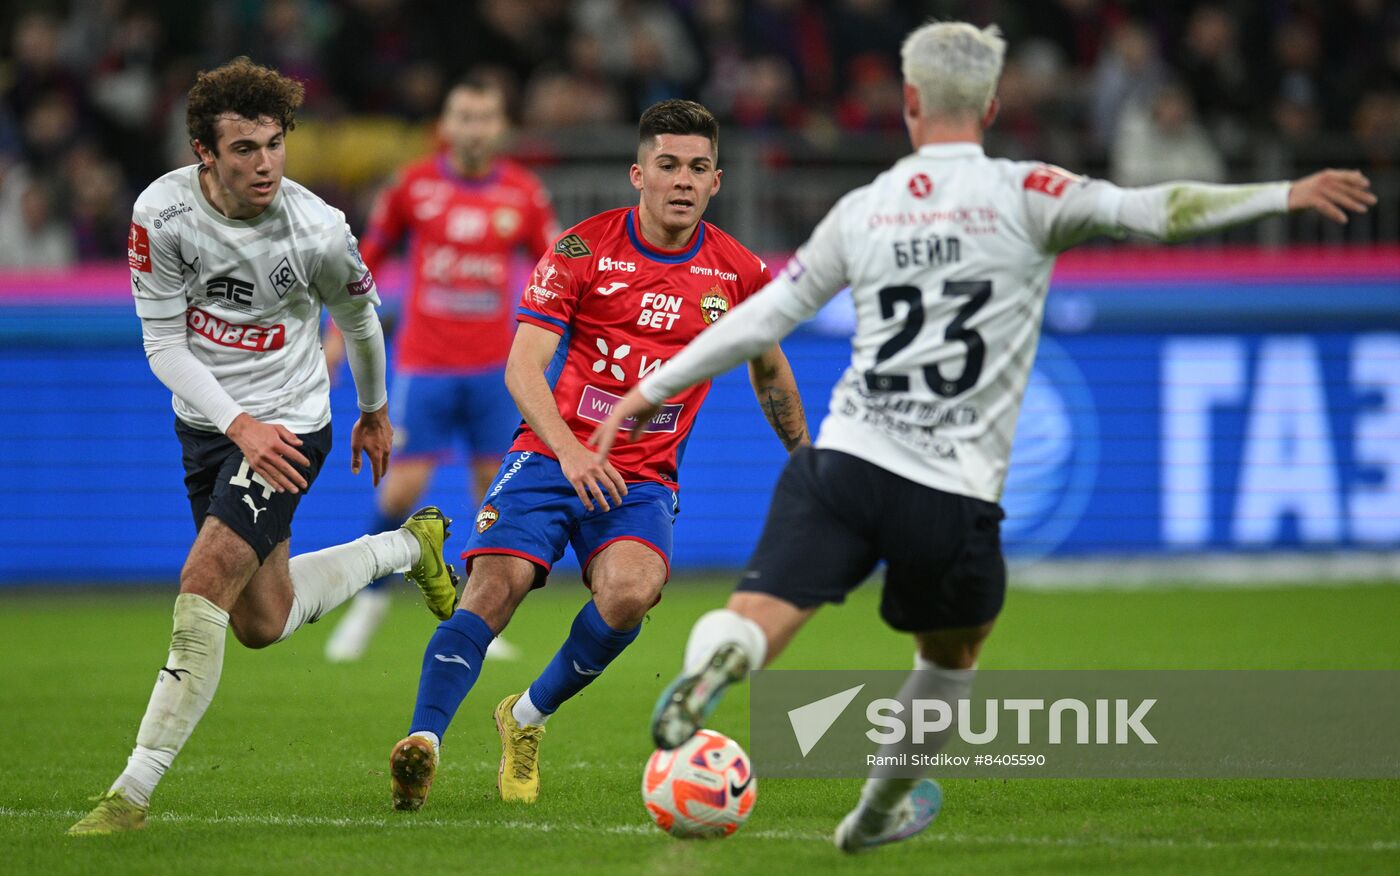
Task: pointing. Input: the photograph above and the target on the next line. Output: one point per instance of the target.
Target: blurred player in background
(465, 212)
(948, 255)
(230, 266)
(614, 298)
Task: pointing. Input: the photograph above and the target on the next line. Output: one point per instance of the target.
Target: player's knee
(496, 587)
(624, 604)
(210, 580)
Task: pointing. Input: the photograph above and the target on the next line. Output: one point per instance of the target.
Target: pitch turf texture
(287, 771)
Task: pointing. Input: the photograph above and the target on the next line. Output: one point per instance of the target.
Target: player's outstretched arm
(1331, 193)
(776, 390)
(1179, 211)
(593, 477)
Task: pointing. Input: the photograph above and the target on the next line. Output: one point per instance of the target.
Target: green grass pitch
(287, 771)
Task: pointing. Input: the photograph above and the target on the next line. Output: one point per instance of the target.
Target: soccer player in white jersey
(230, 266)
(948, 256)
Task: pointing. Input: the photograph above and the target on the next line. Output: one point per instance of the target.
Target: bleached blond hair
(954, 66)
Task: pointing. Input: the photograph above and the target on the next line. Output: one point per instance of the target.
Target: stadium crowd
(92, 89)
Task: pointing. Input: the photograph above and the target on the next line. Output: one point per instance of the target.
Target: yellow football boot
(436, 579)
(112, 814)
(519, 776)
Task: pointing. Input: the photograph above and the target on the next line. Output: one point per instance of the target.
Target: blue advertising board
(1161, 418)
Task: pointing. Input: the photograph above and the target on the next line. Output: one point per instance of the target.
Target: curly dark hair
(242, 87)
(678, 117)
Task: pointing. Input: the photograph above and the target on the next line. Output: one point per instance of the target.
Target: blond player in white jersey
(948, 256)
(230, 267)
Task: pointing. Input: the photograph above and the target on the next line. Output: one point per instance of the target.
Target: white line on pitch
(400, 822)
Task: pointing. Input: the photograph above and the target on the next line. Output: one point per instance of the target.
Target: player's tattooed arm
(776, 390)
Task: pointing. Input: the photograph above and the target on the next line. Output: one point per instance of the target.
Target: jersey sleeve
(1064, 209)
(757, 277)
(343, 277)
(552, 295)
(158, 279)
(386, 223)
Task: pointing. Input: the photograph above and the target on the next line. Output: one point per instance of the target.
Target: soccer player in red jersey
(465, 212)
(615, 296)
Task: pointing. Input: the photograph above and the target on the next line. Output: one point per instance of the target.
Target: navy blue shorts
(435, 413)
(835, 516)
(219, 482)
(532, 512)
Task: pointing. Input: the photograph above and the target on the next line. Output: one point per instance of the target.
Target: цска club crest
(713, 305)
(486, 518)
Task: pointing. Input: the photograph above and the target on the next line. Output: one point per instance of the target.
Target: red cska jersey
(622, 308)
(462, 233)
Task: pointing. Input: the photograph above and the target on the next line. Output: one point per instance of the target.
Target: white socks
(928, 681)
(526, 713)
(184, 688)
(720, 627)
(324, 579)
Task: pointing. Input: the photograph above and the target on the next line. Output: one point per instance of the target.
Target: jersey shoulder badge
(572, 246)
(1049, 180)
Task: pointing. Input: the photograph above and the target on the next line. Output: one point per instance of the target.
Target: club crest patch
(572, 246)
(486, 518)
(713, 305)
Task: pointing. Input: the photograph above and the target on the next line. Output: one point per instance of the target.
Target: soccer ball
(703, 789)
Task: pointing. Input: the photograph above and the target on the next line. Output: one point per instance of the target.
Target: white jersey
(251, 292)
(948, 255)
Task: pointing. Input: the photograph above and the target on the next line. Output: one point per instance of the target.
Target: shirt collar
(951, 150)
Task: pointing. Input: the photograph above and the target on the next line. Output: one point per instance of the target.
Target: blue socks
(381, 523)
(451, 665)
(591, 646)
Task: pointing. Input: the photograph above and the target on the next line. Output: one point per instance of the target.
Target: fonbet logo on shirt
(659, 310)
(540, 288)
(257, 338)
